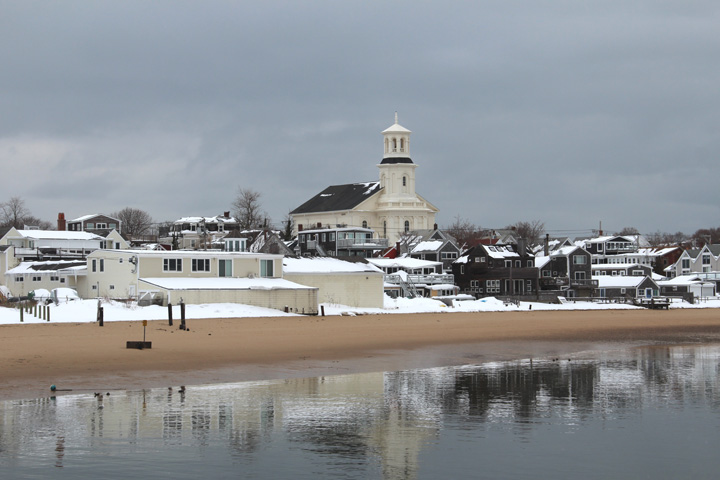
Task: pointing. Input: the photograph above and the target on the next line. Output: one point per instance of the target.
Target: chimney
(521, 246)
(435, 226)
(61, 224)
(547, 244)
(226, 214)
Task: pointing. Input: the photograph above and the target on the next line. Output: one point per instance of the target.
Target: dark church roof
(394, 160)
(339, 197)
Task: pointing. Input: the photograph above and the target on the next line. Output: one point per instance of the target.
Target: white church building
(389, 206)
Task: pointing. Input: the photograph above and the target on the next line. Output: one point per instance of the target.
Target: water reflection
(375, 425)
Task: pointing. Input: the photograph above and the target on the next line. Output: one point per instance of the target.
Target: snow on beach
(79, 311)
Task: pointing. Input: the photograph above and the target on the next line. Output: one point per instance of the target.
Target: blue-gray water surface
(638, 413)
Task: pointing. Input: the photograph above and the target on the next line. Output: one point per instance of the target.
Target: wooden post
(48, 313)
(170, 314)
(182, 312)
(322, 309)
(21, 314)
(101, 319)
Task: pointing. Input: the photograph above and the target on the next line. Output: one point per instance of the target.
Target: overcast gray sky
(567, 112)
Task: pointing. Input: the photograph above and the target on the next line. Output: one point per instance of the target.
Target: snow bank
(86, 310)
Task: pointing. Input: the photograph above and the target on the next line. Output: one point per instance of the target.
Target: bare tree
(464, 231)
(248, 210)
(664, 239)
(135, 222)
(13, 212)
(629, 231)
(706, 236)
(36, 222)
(532, 231)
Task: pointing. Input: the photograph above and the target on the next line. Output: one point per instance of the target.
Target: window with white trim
(200, 264)
(172, 264)
(492, 286)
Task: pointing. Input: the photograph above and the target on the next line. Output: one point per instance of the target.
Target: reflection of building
(365, 422)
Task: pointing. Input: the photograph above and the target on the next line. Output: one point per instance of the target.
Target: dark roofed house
(338, 197)
(390, 206)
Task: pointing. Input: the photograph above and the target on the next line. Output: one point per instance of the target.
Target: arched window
(394, 144)
(404, 181)
(385, 229)
(364, 224)
(407, 226)
(402, 144)
(386, 145)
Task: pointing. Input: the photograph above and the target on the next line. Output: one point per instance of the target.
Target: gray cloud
(564, 112)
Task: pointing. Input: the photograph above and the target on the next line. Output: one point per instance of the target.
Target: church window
(364, 224)
(404, 181)
(394, 144)
(402, 144)
(407, 226)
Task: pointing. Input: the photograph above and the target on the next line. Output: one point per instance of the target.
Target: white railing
(429, 279)
(362, 243)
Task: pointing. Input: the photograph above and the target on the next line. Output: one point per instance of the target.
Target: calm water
(640, 413)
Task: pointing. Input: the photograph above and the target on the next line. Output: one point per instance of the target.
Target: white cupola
(396, 140)
(397, 170)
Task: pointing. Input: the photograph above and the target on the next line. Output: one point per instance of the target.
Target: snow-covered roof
(607, 281)
(184, 253)
(91, 216)
(564, 251)
(58, 235)
(499, 251)
(402, 262)
(428, 246)
(326, 265)
(683, 280)
(540, 262)
(224, 283)
(216, 219)
(45, 267)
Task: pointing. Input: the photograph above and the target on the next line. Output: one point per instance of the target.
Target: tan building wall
(355, 289)
(119, 274)
(297, 300)
(115, 276)
(32, 281)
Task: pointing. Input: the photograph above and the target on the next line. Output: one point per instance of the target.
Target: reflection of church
(389, 206)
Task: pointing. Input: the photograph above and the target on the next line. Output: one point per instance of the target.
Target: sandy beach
(86, 357)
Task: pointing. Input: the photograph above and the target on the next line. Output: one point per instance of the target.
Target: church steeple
(397, 170)
(396, 141)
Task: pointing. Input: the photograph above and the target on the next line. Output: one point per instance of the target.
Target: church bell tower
(397, 170)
